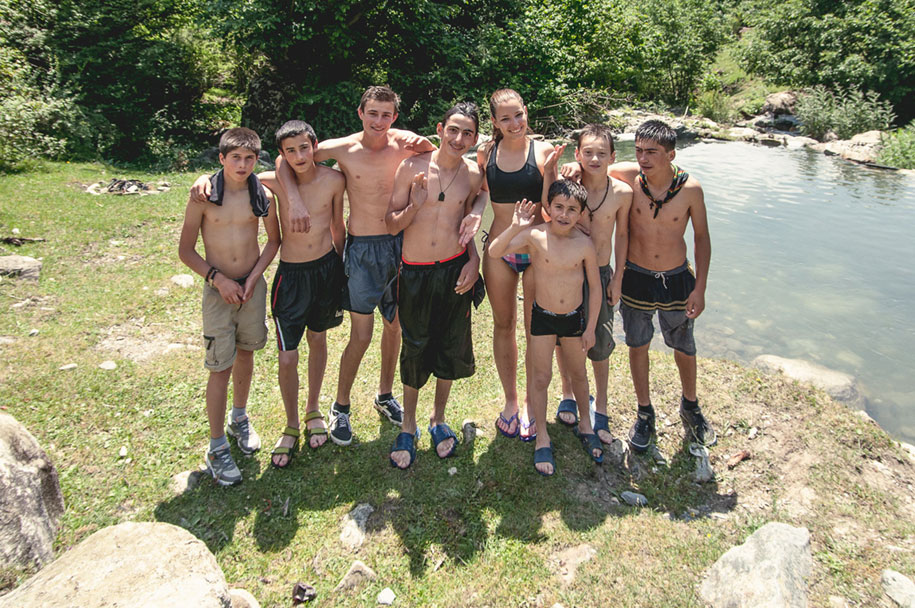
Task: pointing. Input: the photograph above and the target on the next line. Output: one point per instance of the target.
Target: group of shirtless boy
(407, 248)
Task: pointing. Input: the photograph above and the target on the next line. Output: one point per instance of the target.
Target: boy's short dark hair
(596, 130)
(465, 108)
(380, 93)
(239, 137)
(656, 130)
(568, 189)
(294, 128)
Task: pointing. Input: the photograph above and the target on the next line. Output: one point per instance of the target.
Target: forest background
(152, 82)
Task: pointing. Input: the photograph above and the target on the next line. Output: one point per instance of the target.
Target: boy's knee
(288, 358)
(315, 339)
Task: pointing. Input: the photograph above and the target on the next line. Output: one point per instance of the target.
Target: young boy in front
(433, 192)
(307, 294)
(234, 297)
(562, 258)
(606, 214)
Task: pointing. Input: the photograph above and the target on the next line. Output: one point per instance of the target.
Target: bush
(715, 105)
(899, 148)
(845, 113)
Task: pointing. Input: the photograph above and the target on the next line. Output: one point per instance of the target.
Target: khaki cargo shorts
(230, 326)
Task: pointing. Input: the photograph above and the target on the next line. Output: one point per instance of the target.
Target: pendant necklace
(441, 193)
(600, 204)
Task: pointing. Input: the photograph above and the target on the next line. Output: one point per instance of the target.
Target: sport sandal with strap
(279, 450)
(321, 430)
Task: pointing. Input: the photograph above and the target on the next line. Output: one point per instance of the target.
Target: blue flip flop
(567, 406)
(601, 423)
(544, 455)
(525, 427)
(508, 423)
(439, 433)
(591, 442)
(405, 442)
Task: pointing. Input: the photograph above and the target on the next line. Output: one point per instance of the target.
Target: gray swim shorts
(603, 334)
(371, 264)
(646, 291)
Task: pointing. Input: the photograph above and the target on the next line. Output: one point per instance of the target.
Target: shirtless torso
(322, 189)
(369, 162)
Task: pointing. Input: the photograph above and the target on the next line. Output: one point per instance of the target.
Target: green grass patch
(486, 535)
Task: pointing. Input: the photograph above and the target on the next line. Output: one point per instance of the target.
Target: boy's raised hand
(553, 159)
(524, 213)
(419, 190)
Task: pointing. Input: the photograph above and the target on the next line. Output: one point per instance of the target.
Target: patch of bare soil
(138, 341)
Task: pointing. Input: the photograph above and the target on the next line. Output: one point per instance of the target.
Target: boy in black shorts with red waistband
(562, 258)
(307, 292)
(433, 193)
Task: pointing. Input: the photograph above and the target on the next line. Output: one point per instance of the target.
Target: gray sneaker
(341, 432)
(642, 432)
(695, 425)
(391, 409)
(243, 431)
(222, 467)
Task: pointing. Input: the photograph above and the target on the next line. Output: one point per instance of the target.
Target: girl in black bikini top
(511, 186)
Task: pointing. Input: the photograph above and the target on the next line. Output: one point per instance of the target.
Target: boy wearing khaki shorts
(234, 297)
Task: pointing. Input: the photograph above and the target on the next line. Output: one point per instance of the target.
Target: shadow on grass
(427, 506)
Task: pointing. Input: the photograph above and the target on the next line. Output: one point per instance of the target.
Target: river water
(812, 258)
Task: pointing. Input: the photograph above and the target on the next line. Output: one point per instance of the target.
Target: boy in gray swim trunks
(658, 277)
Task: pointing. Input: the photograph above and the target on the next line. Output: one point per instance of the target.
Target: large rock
(148, 565)
(30, 500)
(767, 571)
(21, 266)
(780, 103)
(862, 148)
(899, 587)
(840, 386)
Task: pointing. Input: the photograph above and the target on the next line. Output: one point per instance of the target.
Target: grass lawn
(492, 533)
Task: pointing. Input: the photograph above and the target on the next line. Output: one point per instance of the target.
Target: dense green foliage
(899, 148)
(157, 79)
(845, 113)
(866, 44)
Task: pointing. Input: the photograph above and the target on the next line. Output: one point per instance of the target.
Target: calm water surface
(812, 258)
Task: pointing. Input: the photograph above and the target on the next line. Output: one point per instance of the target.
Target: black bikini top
(512, 186)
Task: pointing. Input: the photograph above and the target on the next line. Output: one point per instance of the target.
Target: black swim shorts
(306, 294)
(567, 325)
(435, 322)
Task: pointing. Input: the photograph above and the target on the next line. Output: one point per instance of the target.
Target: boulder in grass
(30, 500)
(130, 565)
(768, 571)
(21, 266)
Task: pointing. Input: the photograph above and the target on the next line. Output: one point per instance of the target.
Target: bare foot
(316, 441)
(282, 460)
(508, 426)
(444, 447)
(401, 458)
